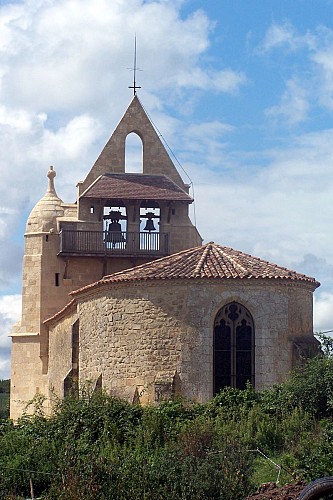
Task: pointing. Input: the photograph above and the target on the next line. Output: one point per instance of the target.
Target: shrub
(314, 458)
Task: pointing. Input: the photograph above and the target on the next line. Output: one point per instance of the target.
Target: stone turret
(40, 297)
(44, 215)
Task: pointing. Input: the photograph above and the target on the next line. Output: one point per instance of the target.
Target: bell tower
(119, 220)
(153, 206)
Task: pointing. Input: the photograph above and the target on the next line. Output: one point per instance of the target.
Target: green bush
(232, 402)
(95, 446)
(4, 399)
(309, 388)
(99, 447)
(314, 457)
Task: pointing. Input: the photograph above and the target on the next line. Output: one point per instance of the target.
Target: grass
(266, 472)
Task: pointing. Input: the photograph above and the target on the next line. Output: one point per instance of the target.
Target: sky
(240, 90)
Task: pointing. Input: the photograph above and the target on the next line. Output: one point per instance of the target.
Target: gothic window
(233, 347)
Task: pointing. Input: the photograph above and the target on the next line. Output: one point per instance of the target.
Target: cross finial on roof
(135, 69)
(51, 175)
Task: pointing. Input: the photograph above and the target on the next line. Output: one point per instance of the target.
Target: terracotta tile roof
(68, 307)
(210, 261)
(137, 187)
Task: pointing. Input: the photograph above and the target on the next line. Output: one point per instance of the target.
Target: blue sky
(242, 91)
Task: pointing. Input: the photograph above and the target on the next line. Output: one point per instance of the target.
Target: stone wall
(26, 373)
(139, 336)
(112, 158)
(60, 360)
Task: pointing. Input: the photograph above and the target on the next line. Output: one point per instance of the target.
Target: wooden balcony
(113, 244)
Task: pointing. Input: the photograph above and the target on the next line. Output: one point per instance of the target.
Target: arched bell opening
(150, 214)
(233, 348)
(115, 225)
(133, 153)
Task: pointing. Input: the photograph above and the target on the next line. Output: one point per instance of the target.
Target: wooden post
(31, 490)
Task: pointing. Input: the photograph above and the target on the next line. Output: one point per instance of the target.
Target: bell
(149, 225)
(114, 227)
(114, 234)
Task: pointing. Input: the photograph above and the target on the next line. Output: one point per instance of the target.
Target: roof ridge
(234, 262)
(203, 258)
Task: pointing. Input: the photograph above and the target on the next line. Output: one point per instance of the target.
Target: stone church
(119, 290)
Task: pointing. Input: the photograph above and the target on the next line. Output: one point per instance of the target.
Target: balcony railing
(113, 243)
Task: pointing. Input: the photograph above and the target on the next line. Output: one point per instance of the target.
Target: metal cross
(135, 69)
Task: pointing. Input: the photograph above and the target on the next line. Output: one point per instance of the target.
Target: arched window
(233, 347)
(133, 154)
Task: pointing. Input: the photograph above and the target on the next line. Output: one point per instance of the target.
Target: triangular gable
(155, 157)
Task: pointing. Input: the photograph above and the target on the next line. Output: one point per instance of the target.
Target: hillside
(99, 447)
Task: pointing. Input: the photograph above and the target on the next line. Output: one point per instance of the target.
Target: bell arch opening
(233, 348)
(115, 225)
(150, 215)
(133, 153)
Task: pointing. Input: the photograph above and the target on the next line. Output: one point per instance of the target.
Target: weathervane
(135, 69)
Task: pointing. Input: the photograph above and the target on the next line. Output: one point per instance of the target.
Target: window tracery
(233, 347)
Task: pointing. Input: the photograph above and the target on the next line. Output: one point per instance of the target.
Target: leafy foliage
(100, 447)
(4, 399)
(4, 386)
(95, 446)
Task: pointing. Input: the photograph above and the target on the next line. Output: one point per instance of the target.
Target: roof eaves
(65, 310)
(89, 187)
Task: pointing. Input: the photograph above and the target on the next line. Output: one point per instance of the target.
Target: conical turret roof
(44, 214)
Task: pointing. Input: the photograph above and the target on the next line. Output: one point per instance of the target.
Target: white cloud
(324, 75)
(294, 104)
(281, 211)
(310, 79)
(278, 35)
(61, 55)
(285, 36)
(323, 312)
(19, 120)
(223, 81)
(207, 141)
(10, 309)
